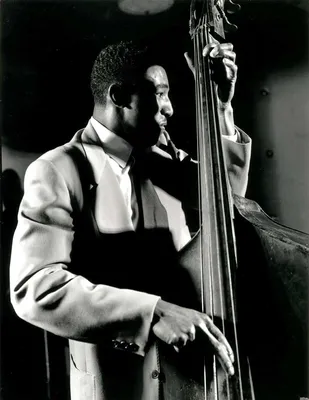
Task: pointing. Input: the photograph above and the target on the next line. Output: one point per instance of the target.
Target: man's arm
(237, 160)
(237, 153)
(236, 144)
(43, 290)
(45, 293)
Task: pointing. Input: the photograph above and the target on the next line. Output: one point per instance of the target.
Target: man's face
(149, 109)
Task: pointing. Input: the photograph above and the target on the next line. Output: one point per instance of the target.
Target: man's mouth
(163, 122)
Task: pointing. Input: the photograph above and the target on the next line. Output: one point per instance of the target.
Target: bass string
(201, 171)
(227, 237)
(206, 195)
(210, 153)
(215, 154)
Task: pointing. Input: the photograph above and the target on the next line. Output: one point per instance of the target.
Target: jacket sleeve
(43, 290)
(237, 160)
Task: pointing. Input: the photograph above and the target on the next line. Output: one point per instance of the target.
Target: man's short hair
(122, 63)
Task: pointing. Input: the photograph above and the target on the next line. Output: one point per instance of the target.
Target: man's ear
(119, 94)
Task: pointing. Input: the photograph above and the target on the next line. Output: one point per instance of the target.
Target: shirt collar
(115, 146)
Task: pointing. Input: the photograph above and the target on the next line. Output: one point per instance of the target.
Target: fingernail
(231, 370)
(214, 53)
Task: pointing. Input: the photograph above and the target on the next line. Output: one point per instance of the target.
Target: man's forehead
(157, 75)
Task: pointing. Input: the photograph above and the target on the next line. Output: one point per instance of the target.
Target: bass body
(271, 288)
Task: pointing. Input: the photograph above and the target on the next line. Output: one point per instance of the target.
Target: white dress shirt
(119, 157)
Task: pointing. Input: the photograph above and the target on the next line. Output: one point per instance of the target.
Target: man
(100, 224)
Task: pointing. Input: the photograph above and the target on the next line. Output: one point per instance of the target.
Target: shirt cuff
(234, 138)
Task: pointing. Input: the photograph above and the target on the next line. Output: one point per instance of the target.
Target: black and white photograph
(155, 192)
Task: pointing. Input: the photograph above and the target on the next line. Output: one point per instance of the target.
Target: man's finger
(231, 69)
(222, 354)
(221, 338)
(226, 364)
(191, 333)
(226, 46)
(221, 350)
(176, 348)
(230, 55)
(181, 342)
(208, 48)
(214, 48)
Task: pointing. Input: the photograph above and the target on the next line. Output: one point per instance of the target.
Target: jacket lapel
(154, 213)
(109, 209)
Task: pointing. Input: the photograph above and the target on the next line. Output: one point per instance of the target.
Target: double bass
(246, 271)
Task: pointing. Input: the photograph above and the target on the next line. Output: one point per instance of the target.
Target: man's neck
(108, 117)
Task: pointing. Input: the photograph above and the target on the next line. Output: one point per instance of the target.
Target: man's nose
(167, 109)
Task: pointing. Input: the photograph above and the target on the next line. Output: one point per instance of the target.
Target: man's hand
(223, 67)
(224, 73)
(178, 325)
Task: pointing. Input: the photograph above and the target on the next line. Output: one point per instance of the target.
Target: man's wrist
(226, 118)
(160, 308)
(225, 108)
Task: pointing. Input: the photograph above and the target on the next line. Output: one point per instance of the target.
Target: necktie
(128, 188)
(145, 201)
(135, 207)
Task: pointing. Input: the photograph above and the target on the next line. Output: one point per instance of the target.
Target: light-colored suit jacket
(78, 270)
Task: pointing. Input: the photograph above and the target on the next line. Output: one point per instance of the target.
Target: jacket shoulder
(68, 162)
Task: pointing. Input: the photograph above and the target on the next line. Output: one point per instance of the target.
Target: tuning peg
(227, 24)
(232, 7)
(230, 27)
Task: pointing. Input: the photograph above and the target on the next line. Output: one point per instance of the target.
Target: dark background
(47, 51)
